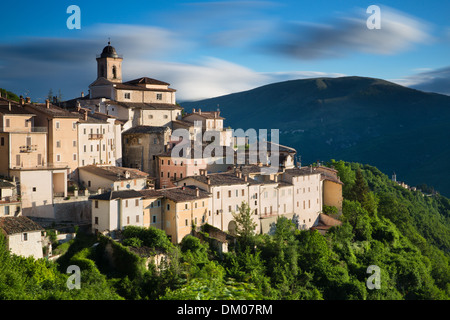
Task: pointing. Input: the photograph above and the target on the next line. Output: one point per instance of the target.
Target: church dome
(109, 52)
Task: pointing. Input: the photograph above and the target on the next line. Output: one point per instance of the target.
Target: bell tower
(109, 64)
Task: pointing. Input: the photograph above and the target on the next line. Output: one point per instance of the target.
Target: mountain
(357, 119)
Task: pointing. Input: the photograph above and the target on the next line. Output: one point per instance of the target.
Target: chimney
(21, 101)
(85, 115)
(193, 110)
(245, 178)
(197, 192)
(78, 106)
(47, 103)
(82, 94)
(28, 99)
(208, 180)
(199, 111)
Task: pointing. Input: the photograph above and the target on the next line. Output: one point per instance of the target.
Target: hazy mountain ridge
(351, 118)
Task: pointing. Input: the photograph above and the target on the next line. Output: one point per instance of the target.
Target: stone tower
(109, 64)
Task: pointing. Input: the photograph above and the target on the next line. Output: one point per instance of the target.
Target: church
(139, 102)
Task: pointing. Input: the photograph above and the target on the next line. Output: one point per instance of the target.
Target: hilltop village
(104, 161)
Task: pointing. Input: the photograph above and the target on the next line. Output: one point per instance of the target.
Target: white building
(143, 101)
(23, 236)
(115, 210)
(99, 141)
(111, 178)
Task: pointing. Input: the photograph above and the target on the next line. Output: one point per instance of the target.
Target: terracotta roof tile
(12, 225)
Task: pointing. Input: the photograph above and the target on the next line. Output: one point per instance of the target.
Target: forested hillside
(405, 233)
(356, 119)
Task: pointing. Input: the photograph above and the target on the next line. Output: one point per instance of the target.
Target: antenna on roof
(109, 41)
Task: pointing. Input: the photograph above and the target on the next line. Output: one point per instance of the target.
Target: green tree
(245, 226)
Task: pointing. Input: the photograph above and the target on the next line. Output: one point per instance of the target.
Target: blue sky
(210, 48)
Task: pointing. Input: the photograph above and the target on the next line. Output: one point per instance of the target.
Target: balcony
(95, 136)
(28, 149)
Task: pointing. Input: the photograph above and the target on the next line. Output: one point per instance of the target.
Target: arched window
(114, 71)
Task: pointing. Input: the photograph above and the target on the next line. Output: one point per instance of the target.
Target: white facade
(307, 197)
(115, 214)
(26, 244)
(38, 189)
(95, 182)
(99, 143)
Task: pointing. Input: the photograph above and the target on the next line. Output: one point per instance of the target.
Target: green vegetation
(405, 233)
(10, 95)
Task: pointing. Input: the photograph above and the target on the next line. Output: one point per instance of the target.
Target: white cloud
(349, 34)
(437, 80)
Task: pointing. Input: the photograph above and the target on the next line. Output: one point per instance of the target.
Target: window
(58, 158)
(186, 222)
(96, 204)
(74, 125)
(229, 193)
(136, 203)
(162, 162)
(168, 162)
(89, 183)
(84, 148)
(26, 123)
(84, 131)
(17, 159)
(126, 203)
(128, 220)
(168, 174)
(92, 148)
(6, 210)
(137, 218)
(150, 116)
(154, 219)
(237, 193)
(2, 141)
(58, 144)
(229, 208)
(7, 123)
(243, 192)
(34, 189)
(159, 96)
(74, 143)
(159, 203)
(168, 206)
(181, 176)
(25, 236)
(185, 206)
(218, 194)
(127, 95)
(162, 174)
(96, 220)
(57, 125)
(74, 157)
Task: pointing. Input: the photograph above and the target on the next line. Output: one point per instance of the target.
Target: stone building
(141, 145)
